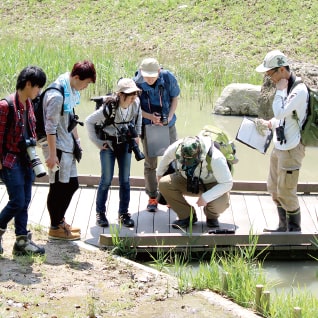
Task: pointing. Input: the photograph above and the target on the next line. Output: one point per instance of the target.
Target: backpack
(222, 142)
(109, 112)
(38, 110)
(309, 129)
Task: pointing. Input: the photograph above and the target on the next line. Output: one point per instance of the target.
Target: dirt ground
(77, 280)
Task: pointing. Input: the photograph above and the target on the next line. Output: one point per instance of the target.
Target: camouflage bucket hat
(188, 152)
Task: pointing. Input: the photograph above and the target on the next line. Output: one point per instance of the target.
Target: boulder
(253, 100)
(238, 99)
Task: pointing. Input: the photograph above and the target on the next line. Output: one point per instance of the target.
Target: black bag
(38, 110)
(77, 151)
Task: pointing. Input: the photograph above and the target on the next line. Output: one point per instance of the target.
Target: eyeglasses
(271, 74)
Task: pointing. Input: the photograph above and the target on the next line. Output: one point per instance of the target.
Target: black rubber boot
(282, 224)
(101, 219)
(1, 248)
(294, 219)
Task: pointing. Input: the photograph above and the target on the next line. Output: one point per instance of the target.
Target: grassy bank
(207, 44)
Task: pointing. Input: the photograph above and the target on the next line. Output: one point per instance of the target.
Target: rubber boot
(1, 248)
(282, 224)
(24, 246)
(294, 219)
(101, 219)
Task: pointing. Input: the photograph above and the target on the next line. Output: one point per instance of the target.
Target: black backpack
(109, 112)
(38, 110)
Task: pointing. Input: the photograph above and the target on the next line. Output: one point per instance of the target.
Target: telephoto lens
(37, 165)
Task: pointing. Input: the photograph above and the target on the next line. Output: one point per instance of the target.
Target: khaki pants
(173, 187)
(283, 176)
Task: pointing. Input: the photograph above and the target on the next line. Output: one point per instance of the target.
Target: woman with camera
(116, 140)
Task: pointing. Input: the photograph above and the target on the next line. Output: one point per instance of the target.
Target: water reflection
(191, 118)
(300, 275)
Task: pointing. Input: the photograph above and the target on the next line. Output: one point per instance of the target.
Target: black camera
(28, 146)
(99, 101)
(280, 134)
(164, 119)
(73, 122)
(128, 135)
(193, 184)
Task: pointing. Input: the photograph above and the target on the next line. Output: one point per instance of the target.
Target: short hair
(34, 74)
(84, 69)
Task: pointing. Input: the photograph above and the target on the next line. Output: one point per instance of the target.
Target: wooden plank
(4, 198)
(240, 214)
(311, 203)
(254, 210)
(238, 185)
(145, 218)
(174, 239)
(37, 207)
(269, 211)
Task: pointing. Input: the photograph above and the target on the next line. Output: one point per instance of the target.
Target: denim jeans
(107, 160)
(18, 182)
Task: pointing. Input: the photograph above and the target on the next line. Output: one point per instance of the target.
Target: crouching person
(201, 171)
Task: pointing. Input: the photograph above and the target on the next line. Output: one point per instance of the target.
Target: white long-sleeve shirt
(283, 107)
(220, 171)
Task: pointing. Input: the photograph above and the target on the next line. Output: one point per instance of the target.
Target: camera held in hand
(28, 145)
(128, 135)
(281, 134)
(164, 119)
(193, 184)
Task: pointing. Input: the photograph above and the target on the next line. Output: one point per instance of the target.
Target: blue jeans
(18, 182)
(107, 160)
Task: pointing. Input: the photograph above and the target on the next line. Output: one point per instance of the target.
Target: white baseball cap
(149, 67)
(272, 60)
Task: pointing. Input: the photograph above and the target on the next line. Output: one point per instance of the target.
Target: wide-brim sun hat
(127, 86)
(273, 59)
(149, 67)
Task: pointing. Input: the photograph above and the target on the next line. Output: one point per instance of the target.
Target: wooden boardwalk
(250, 211)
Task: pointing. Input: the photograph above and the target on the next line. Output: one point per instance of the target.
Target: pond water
(192, 117)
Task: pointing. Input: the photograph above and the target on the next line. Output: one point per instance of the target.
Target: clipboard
(158, 139)
(248, 135)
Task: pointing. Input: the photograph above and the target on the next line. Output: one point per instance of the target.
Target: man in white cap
(159, 99)
(289, 107)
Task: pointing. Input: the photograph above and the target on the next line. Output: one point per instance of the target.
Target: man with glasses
(290, 103)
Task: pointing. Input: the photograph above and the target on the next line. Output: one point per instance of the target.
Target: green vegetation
(235, 274)
(207, 44)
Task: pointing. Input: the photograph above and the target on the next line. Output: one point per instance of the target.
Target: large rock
(238, 99)
(254, 100)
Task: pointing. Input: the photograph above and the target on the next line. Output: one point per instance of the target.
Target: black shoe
(101, 219)
(161, 199)
(212, 223)
(184, 222)
(126, 220)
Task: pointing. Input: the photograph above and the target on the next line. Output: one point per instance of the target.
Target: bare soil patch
(74, 280)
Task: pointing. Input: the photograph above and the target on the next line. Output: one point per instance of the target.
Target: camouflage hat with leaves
(189, 151)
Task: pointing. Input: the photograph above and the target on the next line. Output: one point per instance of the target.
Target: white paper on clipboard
(248, 135)
(158, 139)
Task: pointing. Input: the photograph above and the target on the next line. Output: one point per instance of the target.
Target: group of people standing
(149, 98)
